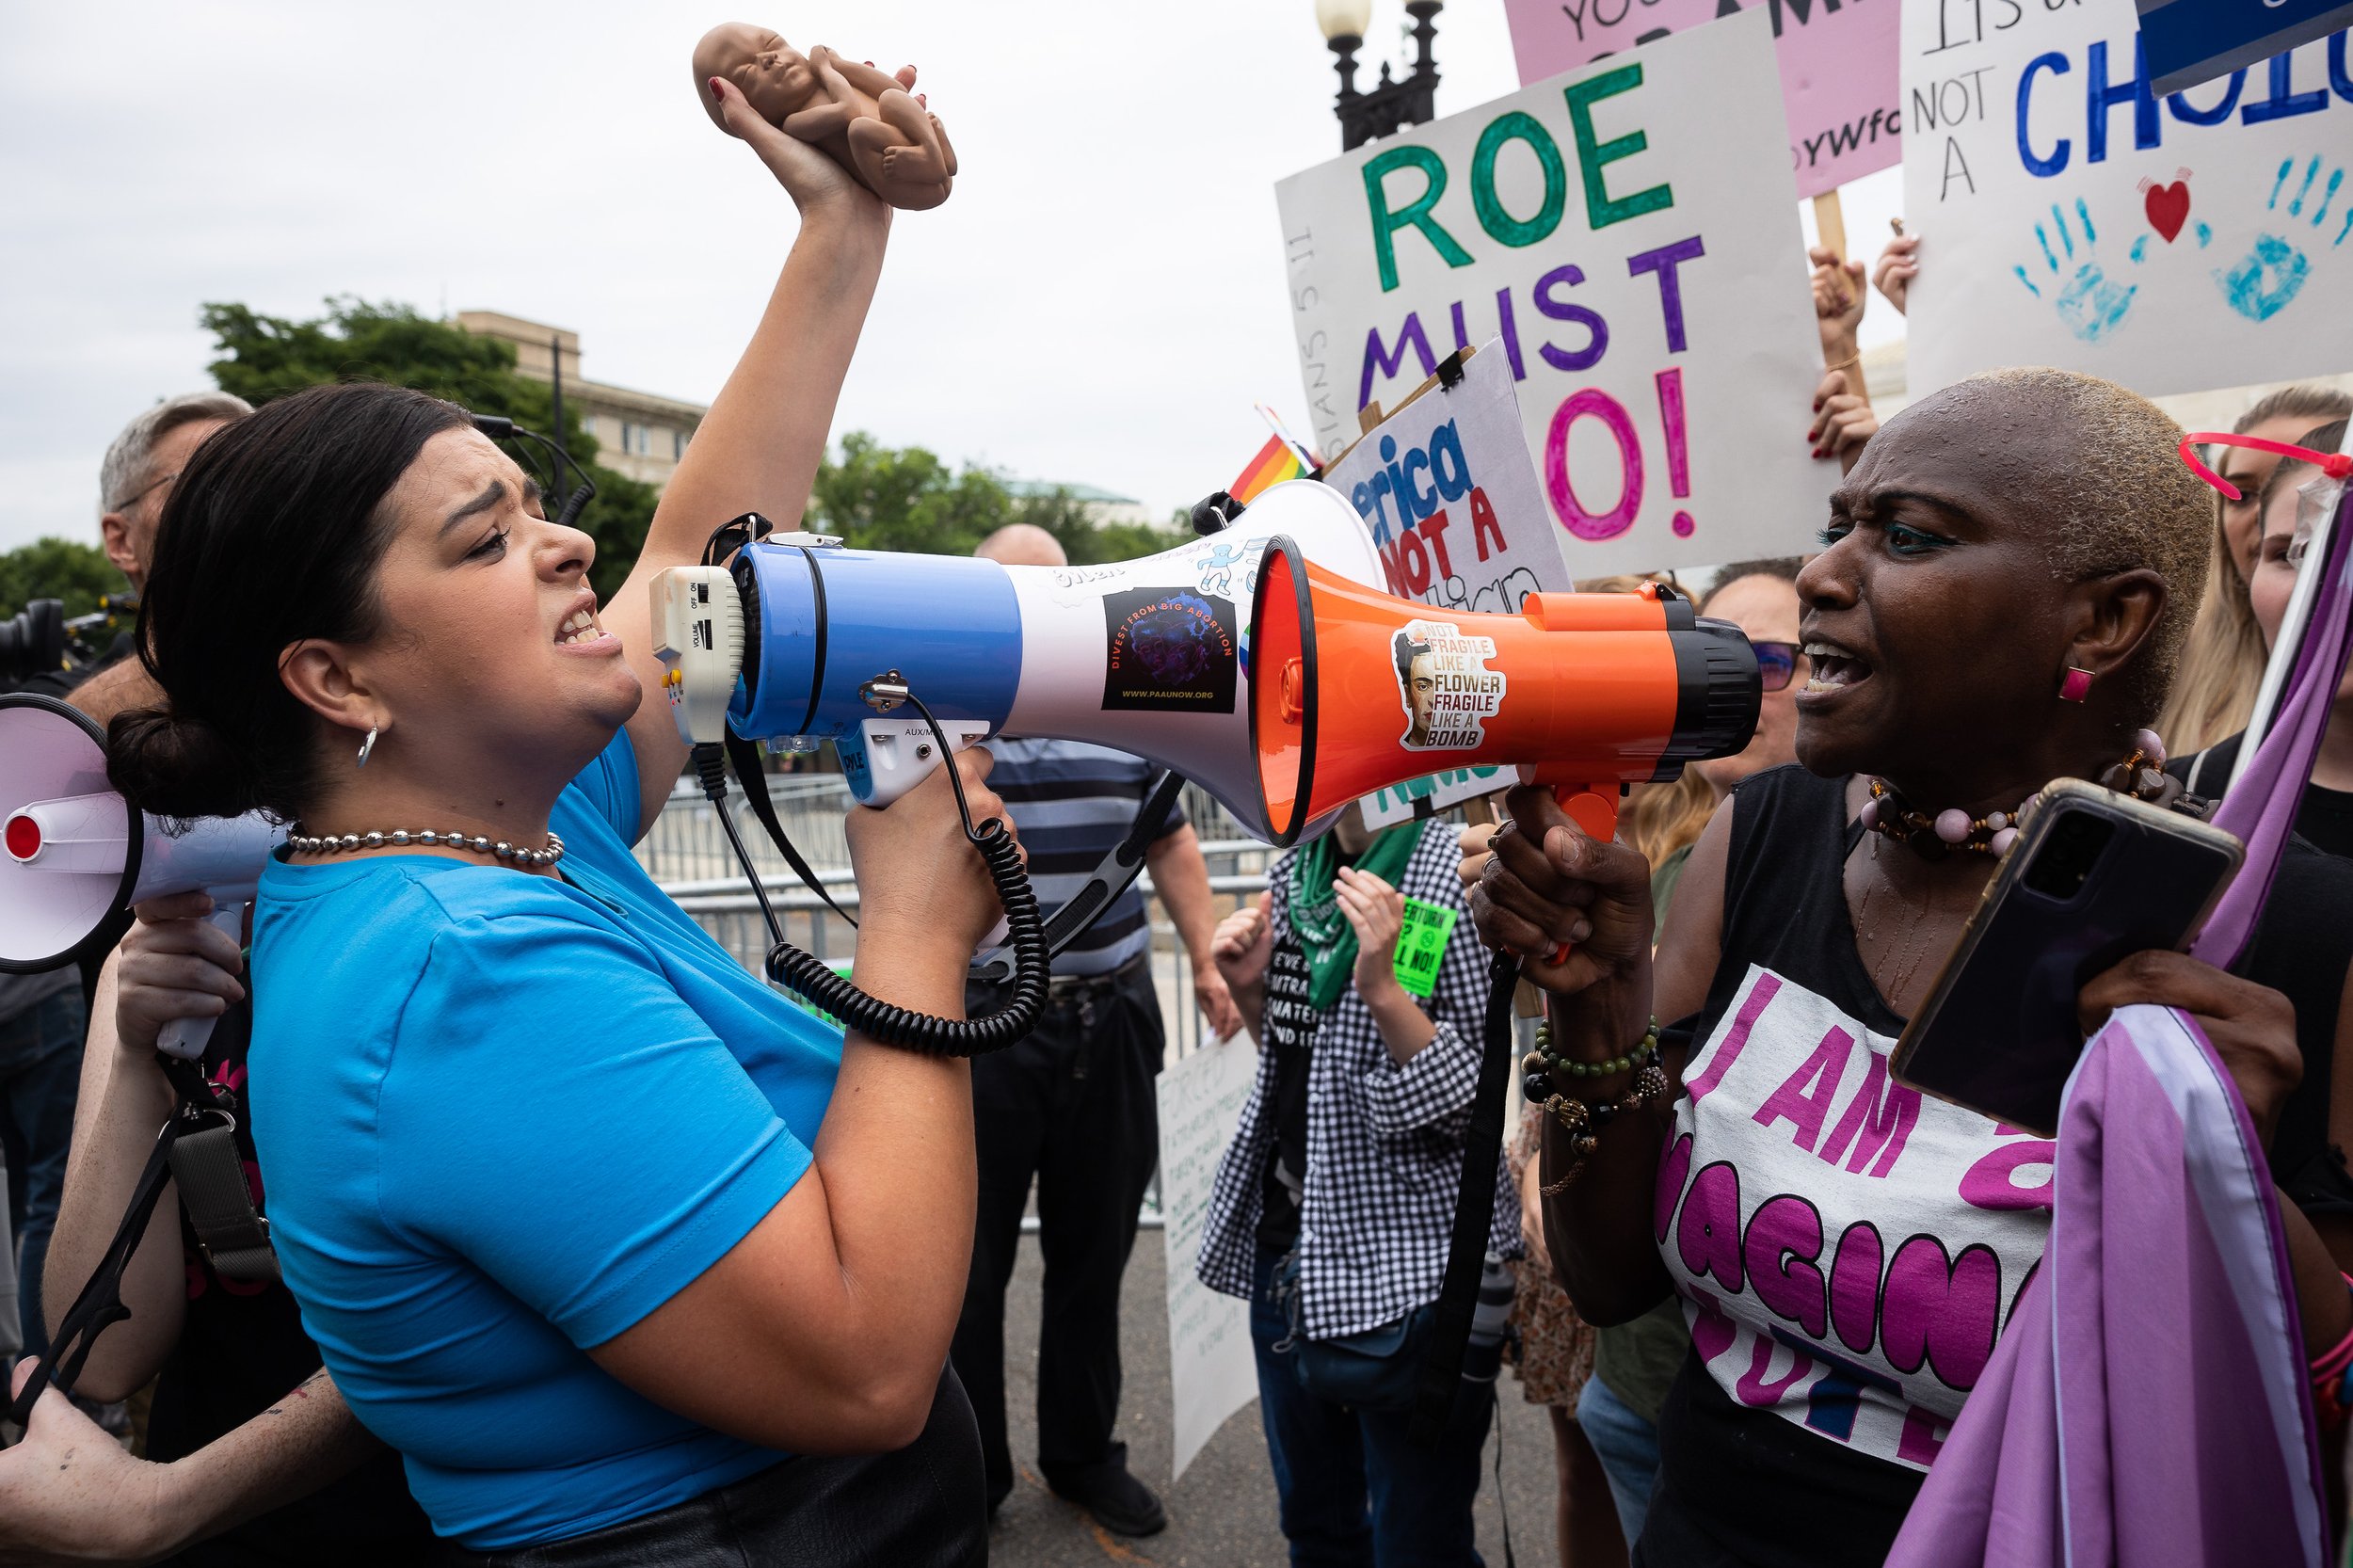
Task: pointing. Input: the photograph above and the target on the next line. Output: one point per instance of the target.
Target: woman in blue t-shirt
(594, 1227)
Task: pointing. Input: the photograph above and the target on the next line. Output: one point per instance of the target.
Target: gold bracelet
(1845, 362)
(1584, 1124)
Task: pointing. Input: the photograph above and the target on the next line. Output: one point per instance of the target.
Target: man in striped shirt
(1073, 1106)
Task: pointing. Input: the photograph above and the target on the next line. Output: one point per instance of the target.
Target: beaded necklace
(2142, 775)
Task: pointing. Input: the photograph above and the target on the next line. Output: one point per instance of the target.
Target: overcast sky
(1099, 303)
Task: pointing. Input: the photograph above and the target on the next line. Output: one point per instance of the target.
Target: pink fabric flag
(2148, 1401)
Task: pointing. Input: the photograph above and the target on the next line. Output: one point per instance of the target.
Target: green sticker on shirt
(1421, 945)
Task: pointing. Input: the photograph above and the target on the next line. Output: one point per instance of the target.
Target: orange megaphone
(1353, 690)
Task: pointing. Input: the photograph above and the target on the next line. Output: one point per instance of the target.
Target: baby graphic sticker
(1171, 650)
(1445, 687)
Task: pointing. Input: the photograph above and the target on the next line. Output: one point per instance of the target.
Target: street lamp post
(1393, 103)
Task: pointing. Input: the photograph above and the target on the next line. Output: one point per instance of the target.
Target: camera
(32, 641)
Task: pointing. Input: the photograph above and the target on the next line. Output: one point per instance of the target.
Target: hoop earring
(367, 745)
(2075, 685)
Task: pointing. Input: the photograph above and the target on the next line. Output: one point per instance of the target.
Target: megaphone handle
(1595, 809)
(187, 1038)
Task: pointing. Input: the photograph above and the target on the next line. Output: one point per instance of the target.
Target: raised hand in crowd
(1243, 942)
(1897, 265)
(1376, 913)
(1843, 421)
(1838, 301)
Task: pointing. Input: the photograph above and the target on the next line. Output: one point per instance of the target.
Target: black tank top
(1741, 1486)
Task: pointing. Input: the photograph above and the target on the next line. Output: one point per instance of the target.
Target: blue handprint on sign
(2267, 279)
(2088, 301)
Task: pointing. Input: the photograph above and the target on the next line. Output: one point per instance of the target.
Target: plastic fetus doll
(867, 121)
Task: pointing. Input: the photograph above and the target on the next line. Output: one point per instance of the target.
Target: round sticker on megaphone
(1445, 687)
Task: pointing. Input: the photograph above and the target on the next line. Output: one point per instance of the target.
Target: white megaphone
(76, 851)
(802, 637)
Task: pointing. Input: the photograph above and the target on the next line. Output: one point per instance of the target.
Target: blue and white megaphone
(72, 852)
(802, 637)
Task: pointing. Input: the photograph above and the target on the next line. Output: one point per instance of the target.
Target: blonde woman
(2224, 660)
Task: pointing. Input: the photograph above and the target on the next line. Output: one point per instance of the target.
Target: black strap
(1441, 1379)
(100, 1303)
(1111, 877)
(197, 1148)
(754, 778)
(229, 1229)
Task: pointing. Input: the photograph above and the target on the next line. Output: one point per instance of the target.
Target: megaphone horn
(1357, 690)
(72, 852)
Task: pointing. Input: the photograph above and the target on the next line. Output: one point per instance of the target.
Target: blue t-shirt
(504, 1118)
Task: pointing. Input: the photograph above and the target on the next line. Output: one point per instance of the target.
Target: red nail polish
(1817, 404)
(716, 91)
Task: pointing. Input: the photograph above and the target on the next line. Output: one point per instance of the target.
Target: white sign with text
(2071, 215)
(1629, 230)
(1212, 1372)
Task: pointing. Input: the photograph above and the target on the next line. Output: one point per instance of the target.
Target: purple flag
(2148, 1401)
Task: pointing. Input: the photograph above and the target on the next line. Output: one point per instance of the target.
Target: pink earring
(2075, 685)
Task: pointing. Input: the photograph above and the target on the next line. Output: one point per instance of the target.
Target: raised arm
(1544, 883)
(758, 448)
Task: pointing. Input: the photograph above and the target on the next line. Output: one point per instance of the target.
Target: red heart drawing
(2169, 208)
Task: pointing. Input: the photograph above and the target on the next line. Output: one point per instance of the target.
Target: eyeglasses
(2336, 465)
(1776, 664)
(129, 501)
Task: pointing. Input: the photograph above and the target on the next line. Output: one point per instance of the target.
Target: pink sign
(1838, 68)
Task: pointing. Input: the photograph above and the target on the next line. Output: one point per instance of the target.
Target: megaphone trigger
(1595, 813)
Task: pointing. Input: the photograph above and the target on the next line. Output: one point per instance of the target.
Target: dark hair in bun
(272, 535)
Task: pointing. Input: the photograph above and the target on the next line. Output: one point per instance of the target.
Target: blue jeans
(40, 1075)
(1627, 1447)
(1354, 1489)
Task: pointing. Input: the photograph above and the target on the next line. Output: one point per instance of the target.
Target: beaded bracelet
(1540, 1064)
(1585, 1123)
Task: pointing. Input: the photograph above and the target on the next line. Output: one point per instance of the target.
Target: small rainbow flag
(1274, 463)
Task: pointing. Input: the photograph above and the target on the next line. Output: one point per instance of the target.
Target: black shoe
(1120, 1503)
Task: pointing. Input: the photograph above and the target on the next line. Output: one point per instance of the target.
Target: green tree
(57, 569)
(264, 357)
(877, 497)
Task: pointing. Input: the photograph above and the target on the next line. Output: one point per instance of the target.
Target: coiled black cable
(810, 977)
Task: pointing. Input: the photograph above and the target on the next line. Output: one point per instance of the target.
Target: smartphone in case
(2095, 878)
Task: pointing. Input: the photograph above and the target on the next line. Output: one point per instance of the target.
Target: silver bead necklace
(403, 838)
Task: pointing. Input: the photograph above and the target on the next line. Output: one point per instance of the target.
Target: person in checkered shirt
(1349, 1154)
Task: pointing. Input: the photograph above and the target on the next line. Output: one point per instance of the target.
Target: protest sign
(1432, 793)
(1421, 945)
(2071, 215)
(1630, 232)
(1212, 1372)
(1447, 488)
(1838, 67)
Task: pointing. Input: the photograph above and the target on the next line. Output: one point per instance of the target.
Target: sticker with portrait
(1444, 685)
(1169, 648)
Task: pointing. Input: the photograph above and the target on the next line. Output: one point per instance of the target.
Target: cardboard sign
(1447, 490)
(1838, 68)
(1629, 231)
(1212, 1372)
(2189, 42)
(2071, 216)
(1421, 945)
